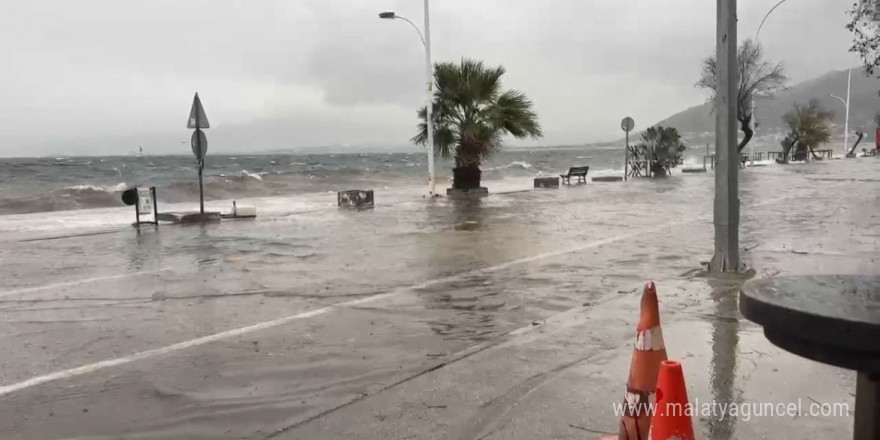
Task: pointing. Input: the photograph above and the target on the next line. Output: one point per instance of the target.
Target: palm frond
(444, 137)
(513, 114)
(472, 113)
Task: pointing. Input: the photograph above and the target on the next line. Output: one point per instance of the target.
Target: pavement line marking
(91, 368)
(78, 282)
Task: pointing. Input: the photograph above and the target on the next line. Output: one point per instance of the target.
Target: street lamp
(846, 106)
(765, 18)
(754, 114)
(429, 72)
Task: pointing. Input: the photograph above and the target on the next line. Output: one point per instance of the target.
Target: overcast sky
(99, 76)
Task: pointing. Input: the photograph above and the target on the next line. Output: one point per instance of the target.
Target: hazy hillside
(864, 105)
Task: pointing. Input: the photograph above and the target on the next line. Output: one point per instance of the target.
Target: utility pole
(726, 219)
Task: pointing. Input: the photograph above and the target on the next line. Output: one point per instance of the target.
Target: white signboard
(145, 201)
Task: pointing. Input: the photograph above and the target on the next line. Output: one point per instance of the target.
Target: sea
(73, 192)
(32, 185)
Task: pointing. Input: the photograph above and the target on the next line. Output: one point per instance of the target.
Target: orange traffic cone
(673, 417)
(648, 353)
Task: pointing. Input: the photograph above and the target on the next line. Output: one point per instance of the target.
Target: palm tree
(472, 114)
(666, 149)
(808, 127)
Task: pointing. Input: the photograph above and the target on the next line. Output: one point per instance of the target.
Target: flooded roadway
(508, 317)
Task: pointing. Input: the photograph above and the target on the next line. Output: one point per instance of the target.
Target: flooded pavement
(507, 317)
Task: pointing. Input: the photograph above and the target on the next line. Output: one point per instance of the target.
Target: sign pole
(201, 186)
(137, 216)
(626, 159)
(198, 121)
(626, 125)
(155, 207)
(200, 159)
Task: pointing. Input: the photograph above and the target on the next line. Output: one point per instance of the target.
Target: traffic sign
(197, 117)
(199, 144)
(627, 124)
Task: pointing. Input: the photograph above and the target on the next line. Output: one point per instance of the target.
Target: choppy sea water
(30, 185)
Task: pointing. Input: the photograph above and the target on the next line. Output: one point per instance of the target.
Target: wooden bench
(579, 172)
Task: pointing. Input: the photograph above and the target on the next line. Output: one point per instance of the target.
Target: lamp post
(846, 106)
(754, 121)
(429, 72)
(765, 18)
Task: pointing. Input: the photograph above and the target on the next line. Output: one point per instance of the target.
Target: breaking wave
(67, 198)
(517, 164)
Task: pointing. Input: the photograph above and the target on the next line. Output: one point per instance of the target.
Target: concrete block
(473, 192)
(355, 199)
(546, 182)
(188, 218)
(608, 179)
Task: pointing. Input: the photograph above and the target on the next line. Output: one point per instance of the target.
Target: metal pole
(201, 162)
(846, 123)
(626, 158)
(726, 258)
(201, 193)
(155, 206)
(429, 114)
(758, 32)
(707, 157)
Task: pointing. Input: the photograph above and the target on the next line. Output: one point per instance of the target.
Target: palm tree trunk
(746, 127)
(466, 175)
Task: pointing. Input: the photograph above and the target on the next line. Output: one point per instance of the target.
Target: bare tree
(757, 79)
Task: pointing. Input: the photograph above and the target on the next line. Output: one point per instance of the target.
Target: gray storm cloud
(97, 76)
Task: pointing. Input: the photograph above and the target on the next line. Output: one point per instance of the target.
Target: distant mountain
(699, 121)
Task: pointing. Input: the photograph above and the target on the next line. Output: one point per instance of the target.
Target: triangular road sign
(197, 117)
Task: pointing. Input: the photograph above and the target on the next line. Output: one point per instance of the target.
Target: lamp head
(388, 15)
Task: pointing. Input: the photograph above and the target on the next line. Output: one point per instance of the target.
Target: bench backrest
(578, 170)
